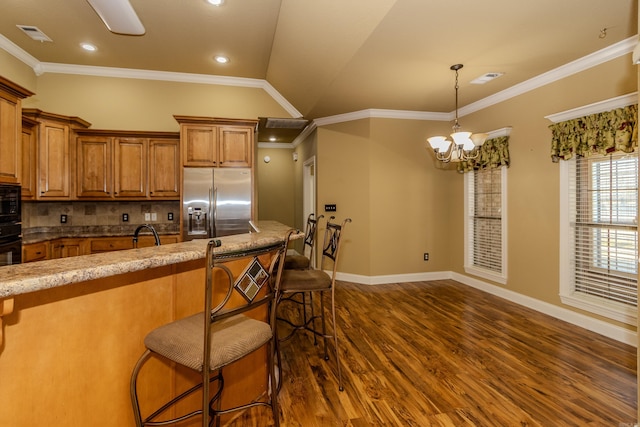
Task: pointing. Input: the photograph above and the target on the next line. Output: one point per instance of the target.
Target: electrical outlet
(63, 219)
(125, 217)
(147, 216)
(426, 256)
(170, 216)
(154, 216)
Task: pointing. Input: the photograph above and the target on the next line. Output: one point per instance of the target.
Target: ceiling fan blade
(118, 16)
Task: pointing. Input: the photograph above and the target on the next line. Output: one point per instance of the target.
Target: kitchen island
(73, 328)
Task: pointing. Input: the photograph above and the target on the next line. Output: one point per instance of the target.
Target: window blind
(485, 220)
(603, 214)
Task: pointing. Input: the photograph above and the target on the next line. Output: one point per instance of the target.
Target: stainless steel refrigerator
(216, 202)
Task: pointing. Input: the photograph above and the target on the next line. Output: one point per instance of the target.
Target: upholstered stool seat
(304, 281)
(296, 262)
(231, 339)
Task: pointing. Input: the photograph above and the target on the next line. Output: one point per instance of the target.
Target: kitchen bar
(73, 328)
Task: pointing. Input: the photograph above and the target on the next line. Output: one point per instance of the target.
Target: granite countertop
(31, 277)
(43, 234)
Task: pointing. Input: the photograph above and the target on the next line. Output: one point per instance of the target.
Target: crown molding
(505, 131)
(601, 56)
(596, 107)
(385, 114)
(304, 134)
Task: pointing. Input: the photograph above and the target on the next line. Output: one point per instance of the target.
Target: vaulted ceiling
(329, 57)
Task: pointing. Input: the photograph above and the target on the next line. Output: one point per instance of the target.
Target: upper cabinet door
(11, 96)
(164, 168)
(200, 145)
(131, 167)
(94, 167)
(235, 146)
(11, 149)
(29, 179)
(53, 161)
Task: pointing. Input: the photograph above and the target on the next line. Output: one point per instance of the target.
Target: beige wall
(306, 150)
(379, 174)
(275, 185)
(17, 71)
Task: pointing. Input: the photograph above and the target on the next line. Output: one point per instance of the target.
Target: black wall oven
(10, 225)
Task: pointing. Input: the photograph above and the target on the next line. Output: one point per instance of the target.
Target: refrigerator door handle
(211, 221)
(214, 206)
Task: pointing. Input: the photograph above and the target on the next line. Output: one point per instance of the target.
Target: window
(485, 224)
(599, 234)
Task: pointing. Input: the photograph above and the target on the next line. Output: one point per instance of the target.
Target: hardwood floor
(443, 354)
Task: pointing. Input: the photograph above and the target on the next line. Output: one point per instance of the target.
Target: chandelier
(463, 146)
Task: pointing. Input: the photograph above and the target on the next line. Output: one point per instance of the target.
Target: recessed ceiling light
(216, 2)
(89, 47)
(221, 59)
(272, 139)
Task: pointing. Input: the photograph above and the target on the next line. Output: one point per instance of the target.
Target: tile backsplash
(48, 214)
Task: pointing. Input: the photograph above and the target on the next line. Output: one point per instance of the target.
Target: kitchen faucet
(140, 227)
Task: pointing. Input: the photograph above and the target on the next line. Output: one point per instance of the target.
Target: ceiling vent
(271, 129)
(275, 123)
(34, 33)
(486, 78)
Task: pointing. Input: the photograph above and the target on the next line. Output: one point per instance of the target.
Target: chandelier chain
(456, 126)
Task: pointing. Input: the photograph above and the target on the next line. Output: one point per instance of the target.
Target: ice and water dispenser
(197, 222)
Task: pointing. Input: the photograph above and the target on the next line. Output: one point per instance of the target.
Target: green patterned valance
(492, 154)
(599, 133)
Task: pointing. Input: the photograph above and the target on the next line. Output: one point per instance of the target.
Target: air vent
(34, 32)
(274, 123)
(486, 78)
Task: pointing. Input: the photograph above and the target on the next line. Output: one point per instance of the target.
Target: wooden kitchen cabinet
(11, 96)
(235, 146)
(63, 248)
(94, 167)
(216, 142)
(55, 153)
(109, 244)
(35, 252)
(29, 158)
(164, 168)
(199, 145)
(131, 165)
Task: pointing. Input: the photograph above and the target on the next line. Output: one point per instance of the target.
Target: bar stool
(310, 281)
(207, 344)
(303, 261)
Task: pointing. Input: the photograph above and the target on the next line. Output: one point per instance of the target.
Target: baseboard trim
(598, 326)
